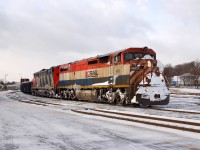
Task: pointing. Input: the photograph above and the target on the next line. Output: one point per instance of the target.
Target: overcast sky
(37, 34)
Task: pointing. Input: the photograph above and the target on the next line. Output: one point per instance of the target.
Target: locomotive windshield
(128, 56)
(138, 55)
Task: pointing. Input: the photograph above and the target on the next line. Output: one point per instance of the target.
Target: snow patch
(147, 57)
(103, 83)
(187, 90)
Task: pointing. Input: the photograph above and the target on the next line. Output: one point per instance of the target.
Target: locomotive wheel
(125, 102)
(73, 97)
(114, 102)
(67, 96)
(117, 100)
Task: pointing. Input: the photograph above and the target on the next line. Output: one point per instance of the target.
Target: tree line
(8, 83)
(188, 72)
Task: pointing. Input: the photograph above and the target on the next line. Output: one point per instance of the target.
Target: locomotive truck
(126, 76)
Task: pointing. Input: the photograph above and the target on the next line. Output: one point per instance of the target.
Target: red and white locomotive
(126, 76)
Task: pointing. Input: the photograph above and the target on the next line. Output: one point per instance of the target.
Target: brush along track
(189, 125)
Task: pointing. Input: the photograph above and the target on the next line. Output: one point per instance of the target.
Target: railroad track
(31, 101)
(40, 102)
(159, 121)
(44, 103)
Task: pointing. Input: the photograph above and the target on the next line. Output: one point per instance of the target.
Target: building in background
(15, 86)
(186, 79)
(1, 84)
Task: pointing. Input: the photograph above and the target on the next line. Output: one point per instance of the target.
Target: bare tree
(193, 68)
(1, 82)
(196, 71)
(169, 72)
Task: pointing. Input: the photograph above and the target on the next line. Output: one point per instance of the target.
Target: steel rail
(177, 110)
(149, 117)
(140, 121)
(129, 105)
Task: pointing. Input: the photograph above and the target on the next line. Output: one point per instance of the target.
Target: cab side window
(117, 58)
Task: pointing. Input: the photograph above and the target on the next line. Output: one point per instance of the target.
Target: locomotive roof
(113, 53)
(43, 70)
(98, 56)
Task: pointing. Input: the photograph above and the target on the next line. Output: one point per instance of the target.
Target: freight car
(126, 76)
(26, 87)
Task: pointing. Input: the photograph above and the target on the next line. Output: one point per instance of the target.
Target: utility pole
(5, 77)
(20, 77)
(5, 82)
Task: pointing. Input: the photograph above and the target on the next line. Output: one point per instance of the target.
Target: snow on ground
(183, 102)
(185, 90)
(26, 126)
